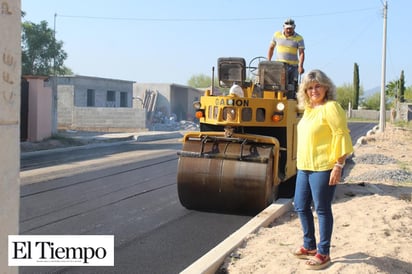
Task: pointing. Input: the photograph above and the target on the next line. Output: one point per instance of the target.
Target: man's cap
(289, 23)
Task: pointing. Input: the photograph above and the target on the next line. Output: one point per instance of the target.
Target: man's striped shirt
(287, 47)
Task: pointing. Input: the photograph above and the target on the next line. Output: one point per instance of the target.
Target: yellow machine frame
(256, 114)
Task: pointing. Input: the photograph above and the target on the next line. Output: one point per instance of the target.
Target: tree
(41, 53)
(344, 95)
(402, 88)
(356, 86)
(408, 94)
(373, 101)
(391, 91)
(200, 81)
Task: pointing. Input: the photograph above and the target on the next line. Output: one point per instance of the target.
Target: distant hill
(371, 91)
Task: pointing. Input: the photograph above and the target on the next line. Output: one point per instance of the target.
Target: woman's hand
(335, 175)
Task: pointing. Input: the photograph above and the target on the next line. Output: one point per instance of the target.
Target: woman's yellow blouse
(323, 137)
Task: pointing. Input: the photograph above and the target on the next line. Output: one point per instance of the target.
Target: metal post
(54, 83)
(382, 117)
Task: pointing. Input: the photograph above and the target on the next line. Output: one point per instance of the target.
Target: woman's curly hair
(319, 77)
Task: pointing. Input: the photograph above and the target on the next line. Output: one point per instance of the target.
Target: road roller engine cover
(244, 156)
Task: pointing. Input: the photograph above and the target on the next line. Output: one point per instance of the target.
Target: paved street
(130, 192)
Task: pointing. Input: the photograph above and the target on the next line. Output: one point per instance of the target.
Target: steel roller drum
(225, 176)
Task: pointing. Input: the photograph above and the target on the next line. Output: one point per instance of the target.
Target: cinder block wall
(105, 119)
(65, 106)
(405, 112)
(367, 114)
(109, 119)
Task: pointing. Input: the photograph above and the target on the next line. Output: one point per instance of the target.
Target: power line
(141, 19)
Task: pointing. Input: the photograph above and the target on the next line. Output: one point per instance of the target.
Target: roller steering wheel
(254, 65)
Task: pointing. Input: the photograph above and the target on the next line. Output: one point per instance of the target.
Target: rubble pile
(172, 125)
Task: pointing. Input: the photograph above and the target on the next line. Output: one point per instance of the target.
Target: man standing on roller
(290, 49)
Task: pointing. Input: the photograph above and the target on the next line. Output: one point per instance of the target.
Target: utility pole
(54, 83)
(54, 44)
(382, 116)
(10, 90)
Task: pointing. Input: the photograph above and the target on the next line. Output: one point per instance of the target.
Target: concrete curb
(362, 140)
(88, 146)
(107, 141)
(154, 137)
(212, 260)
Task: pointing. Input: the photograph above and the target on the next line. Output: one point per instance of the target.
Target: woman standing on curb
(323, 144)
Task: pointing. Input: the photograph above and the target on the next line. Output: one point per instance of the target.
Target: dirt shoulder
(372, 217)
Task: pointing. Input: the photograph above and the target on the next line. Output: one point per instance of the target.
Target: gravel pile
(374, 159)
(398, 175)
(395, 175)
(175, 126)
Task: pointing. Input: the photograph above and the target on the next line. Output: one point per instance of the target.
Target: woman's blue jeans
(314, 186)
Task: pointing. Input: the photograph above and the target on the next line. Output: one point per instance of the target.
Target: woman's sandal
(318, 262)
(303, 253)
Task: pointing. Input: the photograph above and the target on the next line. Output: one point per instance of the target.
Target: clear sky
(167, 41)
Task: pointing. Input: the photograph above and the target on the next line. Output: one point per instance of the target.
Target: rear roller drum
(226, 176)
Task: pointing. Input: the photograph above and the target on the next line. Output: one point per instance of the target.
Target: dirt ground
(372, 218)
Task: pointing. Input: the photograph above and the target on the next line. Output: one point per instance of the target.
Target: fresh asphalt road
(136, 201)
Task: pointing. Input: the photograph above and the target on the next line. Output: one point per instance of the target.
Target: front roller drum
(226, 176)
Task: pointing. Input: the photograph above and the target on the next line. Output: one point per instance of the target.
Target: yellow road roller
(245, 151)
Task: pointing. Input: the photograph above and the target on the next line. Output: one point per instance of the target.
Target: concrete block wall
(100, 86)
(70, 92)
(65, 105)
(366, 114)
(107, 119)
(405, 112)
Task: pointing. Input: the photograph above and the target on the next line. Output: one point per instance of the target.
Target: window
(111, 98)
(90, 98)
(247, 114)
(123, 99)
(260, 115)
